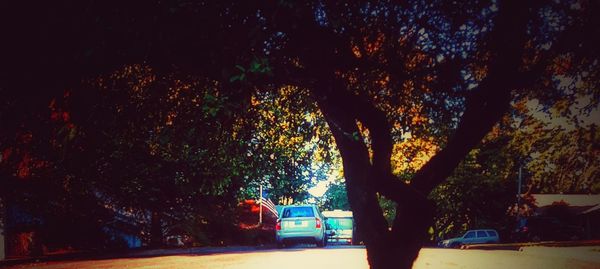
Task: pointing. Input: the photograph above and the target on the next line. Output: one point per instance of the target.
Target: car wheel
(455, 245)
(280, 245)
(321, 243)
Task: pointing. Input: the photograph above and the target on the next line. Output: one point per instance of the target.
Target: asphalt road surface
(339, 257)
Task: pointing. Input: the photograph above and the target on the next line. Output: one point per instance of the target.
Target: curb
(519, 246)
(133, 253)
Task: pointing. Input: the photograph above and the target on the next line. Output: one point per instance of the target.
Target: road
(347, 257)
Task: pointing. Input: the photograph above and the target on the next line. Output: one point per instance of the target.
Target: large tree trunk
(396, 248)
(385, 248)
(156, 233)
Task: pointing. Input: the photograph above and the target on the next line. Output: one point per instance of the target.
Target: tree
(365, 175)
(336, 197)
(376, 71)
(477, 193)
(281, 145)
(485, 84)
(560, 156)
(172, 150)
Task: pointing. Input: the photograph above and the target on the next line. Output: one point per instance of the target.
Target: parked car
(339, 226)
(483, 236)
(300, 224)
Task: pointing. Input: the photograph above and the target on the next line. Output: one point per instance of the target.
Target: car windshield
(339, 223)
(298, 212)
(470, 235)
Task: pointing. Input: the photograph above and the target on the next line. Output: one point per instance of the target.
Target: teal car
(300, 224)
(339, 226)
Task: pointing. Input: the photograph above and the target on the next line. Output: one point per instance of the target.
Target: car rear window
(298, 212)
(492, 233)
(481, 234)
(339, 223)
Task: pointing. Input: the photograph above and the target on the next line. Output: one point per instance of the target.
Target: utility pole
(521, 221)
(260, 205)
(519, 184)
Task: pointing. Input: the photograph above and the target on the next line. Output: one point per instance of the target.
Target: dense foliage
(185, 106)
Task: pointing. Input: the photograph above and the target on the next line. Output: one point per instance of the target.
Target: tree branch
(355, 157)
(488, 102)
(382, 145)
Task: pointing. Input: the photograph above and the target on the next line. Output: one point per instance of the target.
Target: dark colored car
(482, 236)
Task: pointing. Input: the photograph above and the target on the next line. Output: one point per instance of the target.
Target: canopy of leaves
(336, 197)
(172, 90)
(137, 142)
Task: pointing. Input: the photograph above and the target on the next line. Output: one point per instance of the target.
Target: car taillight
(278, 226)
(318, 225)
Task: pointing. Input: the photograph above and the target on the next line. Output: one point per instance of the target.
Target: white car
(300, 224)
(484, 236)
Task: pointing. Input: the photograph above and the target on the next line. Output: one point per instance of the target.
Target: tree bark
(156, 233)
(398, 247)
(362, 197)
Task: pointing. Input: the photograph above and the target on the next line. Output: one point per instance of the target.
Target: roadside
(520, 246)
(133, 253)
(579, 254)
(583, 253)
(347, 257)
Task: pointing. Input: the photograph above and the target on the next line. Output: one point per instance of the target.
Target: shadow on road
(151, 253)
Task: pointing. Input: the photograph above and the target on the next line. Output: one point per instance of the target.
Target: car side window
(470, 235)
(481, 234)
(492, 233)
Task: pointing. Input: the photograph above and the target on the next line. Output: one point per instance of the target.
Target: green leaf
(254, 66)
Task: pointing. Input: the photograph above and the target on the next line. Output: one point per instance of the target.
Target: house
(577, 203)
(580, 209)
